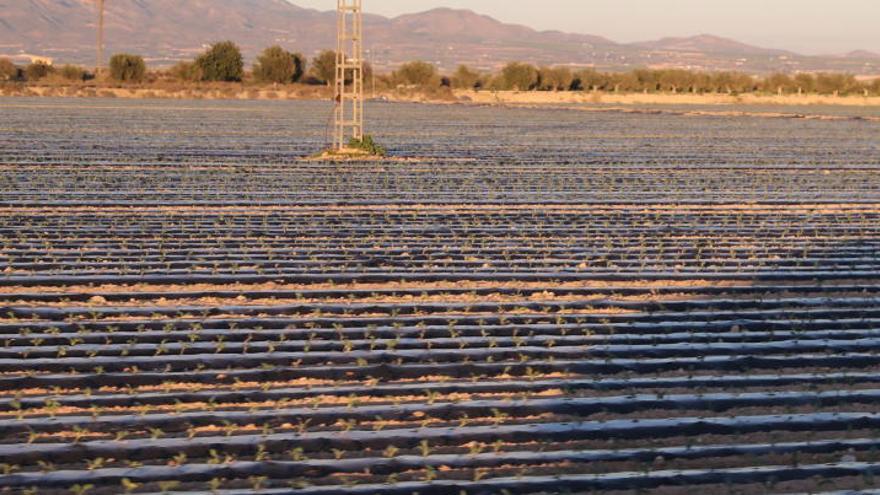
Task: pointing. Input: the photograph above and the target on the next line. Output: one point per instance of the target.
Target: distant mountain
(863, 55)
(707, 43)
(165, 31)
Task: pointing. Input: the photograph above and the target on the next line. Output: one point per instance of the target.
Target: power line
(99, 57)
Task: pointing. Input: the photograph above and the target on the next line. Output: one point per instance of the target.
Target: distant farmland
(542, 301)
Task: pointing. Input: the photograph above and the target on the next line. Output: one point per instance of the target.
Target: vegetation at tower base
(222, 62)
(368, 145)
(277, 65)
(125, 67)
(355, 150)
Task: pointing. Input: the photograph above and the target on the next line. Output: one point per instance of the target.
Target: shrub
(518, 77)
(127, 68)
(37, 71)
(368, 145)
(185, 71)
(73, 73)
(466, 78)
(222, 62)
(277, 65)
(417, 74)
(8, 70)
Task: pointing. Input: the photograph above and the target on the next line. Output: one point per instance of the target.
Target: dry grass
(550, 98)
(207, 91)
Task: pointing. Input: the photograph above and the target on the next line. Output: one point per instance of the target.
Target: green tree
(37, 71)
(301, 63)
(8, 70)
(277, 65)
(222, 62)
(518, 76)
(466, 78)
(125, 67)
(417, 74)
(324, 67)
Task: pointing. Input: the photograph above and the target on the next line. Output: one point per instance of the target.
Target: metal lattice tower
(349, 122)
(99, 56)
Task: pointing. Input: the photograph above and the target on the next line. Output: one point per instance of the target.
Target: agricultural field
(539, 301)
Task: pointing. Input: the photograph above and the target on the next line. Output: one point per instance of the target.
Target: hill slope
(169, 30)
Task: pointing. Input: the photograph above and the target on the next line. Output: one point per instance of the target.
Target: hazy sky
(807, 26)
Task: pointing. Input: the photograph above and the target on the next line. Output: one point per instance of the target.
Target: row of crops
(542, 301)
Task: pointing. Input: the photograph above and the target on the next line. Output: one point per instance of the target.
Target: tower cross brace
(349, 116)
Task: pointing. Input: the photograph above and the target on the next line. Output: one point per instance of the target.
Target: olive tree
(324, 67)
(556, 78)
(518, 76)
(833, 83)
(277, 65)
(417, 74)
(222, 62)
(778, 83)
(805, 82)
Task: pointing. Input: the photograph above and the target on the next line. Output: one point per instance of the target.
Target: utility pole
(99, 62)
(349, 122)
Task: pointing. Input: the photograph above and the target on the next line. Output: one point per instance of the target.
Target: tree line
(223, 62)
(517, 76)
